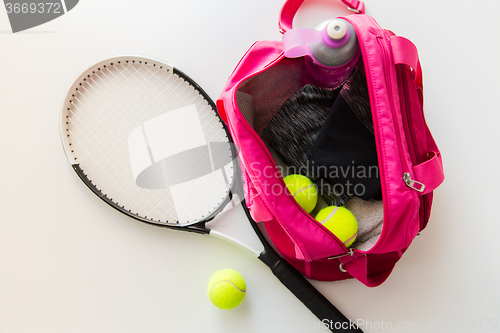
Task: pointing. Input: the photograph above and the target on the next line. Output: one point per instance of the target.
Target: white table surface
(70, 263)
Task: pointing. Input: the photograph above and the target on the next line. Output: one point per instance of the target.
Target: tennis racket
(146, 139)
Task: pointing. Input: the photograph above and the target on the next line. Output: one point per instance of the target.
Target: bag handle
(431, 172)
(291, 7)
(405, 52)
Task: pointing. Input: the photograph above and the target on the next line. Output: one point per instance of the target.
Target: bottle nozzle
(336, 29)
(338, 43)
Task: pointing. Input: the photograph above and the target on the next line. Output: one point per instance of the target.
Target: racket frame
(194, 226)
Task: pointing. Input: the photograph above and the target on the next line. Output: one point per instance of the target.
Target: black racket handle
(289, 276)
(327, 313)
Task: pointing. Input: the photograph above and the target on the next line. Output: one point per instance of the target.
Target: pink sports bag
(409, 162)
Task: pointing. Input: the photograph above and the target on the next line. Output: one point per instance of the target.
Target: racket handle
(327, 313)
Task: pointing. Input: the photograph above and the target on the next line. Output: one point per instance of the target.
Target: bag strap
(291, 7)
(431, 172)
(405, 52)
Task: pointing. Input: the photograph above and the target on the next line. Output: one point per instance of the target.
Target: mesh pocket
(245, 104)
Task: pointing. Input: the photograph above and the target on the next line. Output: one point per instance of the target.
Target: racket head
(147, 139)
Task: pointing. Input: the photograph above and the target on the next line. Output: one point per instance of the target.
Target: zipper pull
(349, 253)
(411, 183)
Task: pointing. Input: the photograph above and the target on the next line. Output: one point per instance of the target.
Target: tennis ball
(226, 289)
(303, 191)
(340, 222)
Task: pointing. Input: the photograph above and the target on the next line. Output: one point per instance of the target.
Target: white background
(70, 263)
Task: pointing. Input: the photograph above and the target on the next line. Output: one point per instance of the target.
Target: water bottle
(331, 52)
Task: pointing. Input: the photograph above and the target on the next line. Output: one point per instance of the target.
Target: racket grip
(327, 313)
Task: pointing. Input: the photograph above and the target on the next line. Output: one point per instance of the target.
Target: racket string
(105, 111)
(104, 104)
(124, 93)
(109, 149)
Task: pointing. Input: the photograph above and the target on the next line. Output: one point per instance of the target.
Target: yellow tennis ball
(226, 289)
(303, 190)
(341, 222)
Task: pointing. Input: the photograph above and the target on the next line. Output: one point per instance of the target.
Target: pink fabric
(254, 202)
(405, 52)
(430, 173)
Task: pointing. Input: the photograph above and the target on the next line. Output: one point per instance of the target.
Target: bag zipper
(409, 128)
(349, 252)
(411, 183)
